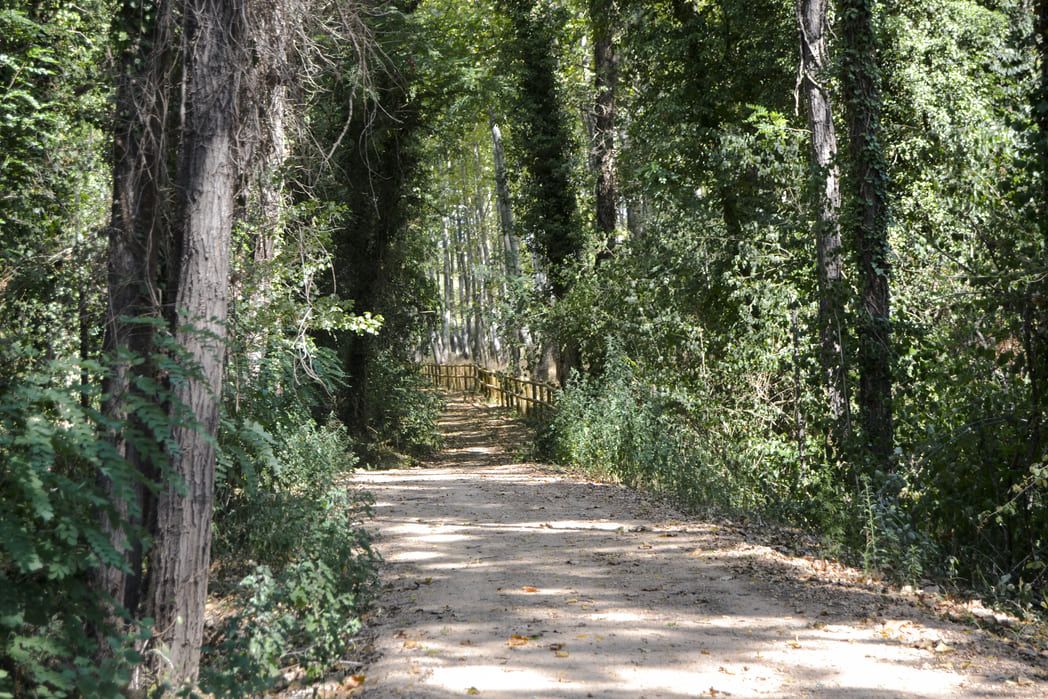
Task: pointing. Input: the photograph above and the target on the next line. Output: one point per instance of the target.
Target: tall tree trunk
(604, 18)
(180, 559)
(811, 25)
(503, 201)
(1041, 109)
(449, 290)
(1035, 317)
(137, 239)
(549, 217)
(867, 177)
(510, 243)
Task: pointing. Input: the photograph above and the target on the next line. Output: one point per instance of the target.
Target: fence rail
(526, 397)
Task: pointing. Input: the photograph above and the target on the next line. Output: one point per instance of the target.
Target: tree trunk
(868, 176)
(503, 202)
(606, 75)
(811, 24)
(1041, 109)
(137, 238)
(549, 216)
(510, 243)
(180, 559)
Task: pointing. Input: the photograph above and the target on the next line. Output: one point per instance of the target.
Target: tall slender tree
(604, 17)
(813, 92)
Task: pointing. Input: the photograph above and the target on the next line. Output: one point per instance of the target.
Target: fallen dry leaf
(353, 681)
(518, 640)
(529, 588)
(562, 653)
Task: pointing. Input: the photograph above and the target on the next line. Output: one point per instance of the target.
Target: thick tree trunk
(811, 24)
(868, 173)
(180, 559)
(603, 16)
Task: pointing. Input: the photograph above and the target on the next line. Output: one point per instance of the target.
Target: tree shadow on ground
(508, 581)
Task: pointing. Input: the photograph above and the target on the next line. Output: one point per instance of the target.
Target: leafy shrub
(53, 447)
(286, 519)
(288, 512)
(401, 408)
(662, 439)
(304, 608)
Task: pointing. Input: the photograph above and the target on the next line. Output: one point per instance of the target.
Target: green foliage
(305, 614)
(286, 524)
(52, 174)
(314, 569)
(303, 603)
(635, 428)
(402, 409)
(56, 445)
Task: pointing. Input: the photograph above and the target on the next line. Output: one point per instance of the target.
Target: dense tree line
(821, 284)
(783, 257)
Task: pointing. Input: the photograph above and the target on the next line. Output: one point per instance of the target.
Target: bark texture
(180, 559)
(811, 25)
(503, 201)
(137, 239)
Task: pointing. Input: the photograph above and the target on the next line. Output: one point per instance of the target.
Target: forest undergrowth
(710, 455)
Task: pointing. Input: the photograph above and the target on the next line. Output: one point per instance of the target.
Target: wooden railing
(529, 398)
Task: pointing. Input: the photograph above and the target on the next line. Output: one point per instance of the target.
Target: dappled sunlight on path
(505, 579)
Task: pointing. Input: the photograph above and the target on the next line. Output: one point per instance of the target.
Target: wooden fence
(529, 398)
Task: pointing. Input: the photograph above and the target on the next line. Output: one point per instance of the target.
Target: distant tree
(549, 218)
(604, 18)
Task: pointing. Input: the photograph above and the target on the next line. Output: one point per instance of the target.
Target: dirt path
(506, 579)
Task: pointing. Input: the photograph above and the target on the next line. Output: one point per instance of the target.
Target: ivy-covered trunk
(549, 217)
(137, 238)
(603, 16)
(172, 245)
(869, 221)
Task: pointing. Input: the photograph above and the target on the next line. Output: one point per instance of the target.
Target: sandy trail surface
(509, 579)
